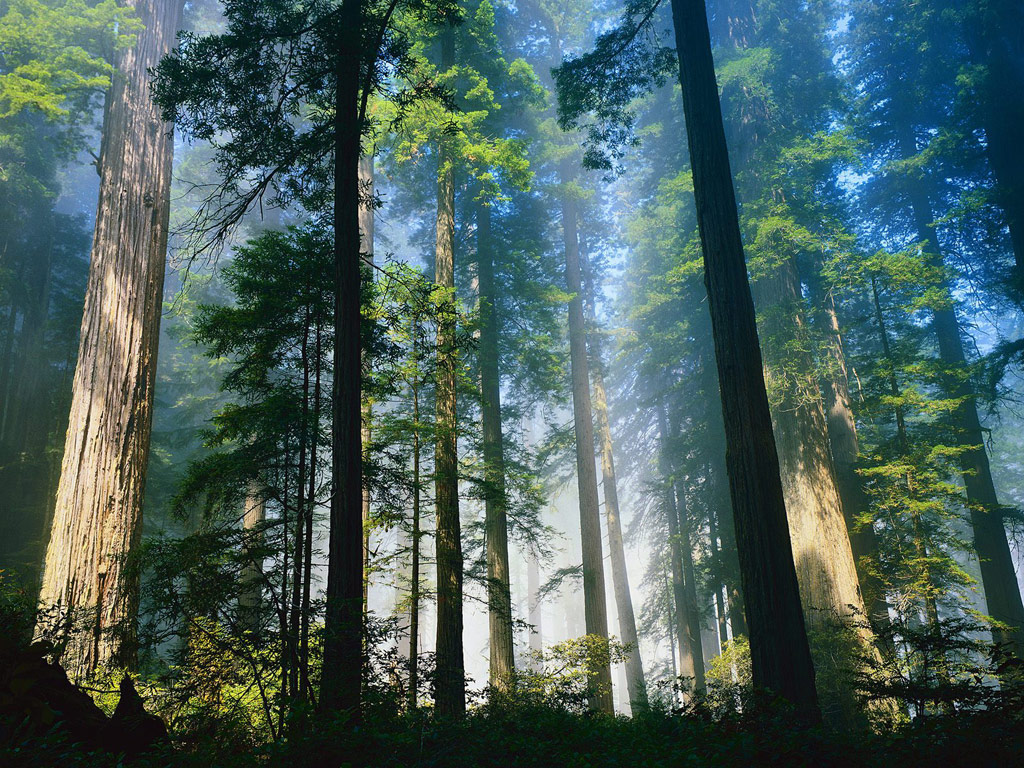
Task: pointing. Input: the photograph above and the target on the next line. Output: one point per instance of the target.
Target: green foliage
(55, 55)
(564, 675)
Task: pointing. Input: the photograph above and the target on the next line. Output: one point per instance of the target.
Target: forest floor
(544, 736)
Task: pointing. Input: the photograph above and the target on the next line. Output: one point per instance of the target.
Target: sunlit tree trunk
(780, 656)
(341, 678)
(842, 437)
(829, 586)
(97, 518)
(595, 607)
(499, 598)
(450, 693)
(251, 587)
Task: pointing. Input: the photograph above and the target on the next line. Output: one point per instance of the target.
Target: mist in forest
(511, 382)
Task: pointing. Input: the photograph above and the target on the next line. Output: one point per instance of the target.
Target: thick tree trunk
(842, 438)
(829, 587)
(595, 607)
(998, 575)
(97, 520)
(499, 597)
(635, 683)
(780, 656)
(450, 694)
(821, 544)
(341, 678)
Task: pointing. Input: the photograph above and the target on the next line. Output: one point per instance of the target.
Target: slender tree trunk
(693, 618)
(670, 619)
(341, 678)
(97, 520)
(536, 641)
(450, 694)
(780, 656)
(366, 239)
(721, 623)
(998, 575)
(298, 554)
(684, 589)
(304, 682)
(728, 558)
(594, 604)
(414, 576)
(499, 597)
(635, 683)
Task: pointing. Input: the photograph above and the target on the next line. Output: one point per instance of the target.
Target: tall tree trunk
(721, 617)
(450, 694)
(499, 597)
(303, 506)
(307, 573)
(998, 575)
(341, 678)
(635, 683)
(594, 605)
(693, 618)
(97, 519)
(842, 437)
(826, 571)
(728, 558)
(536, 641)
(414, 570)
(691, 658)
(366, 240)
(821, 544)
(780, 657)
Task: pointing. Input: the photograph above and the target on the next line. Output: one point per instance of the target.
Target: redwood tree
(87, 576)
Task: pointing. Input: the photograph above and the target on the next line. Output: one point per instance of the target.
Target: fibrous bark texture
(98, 513)
(780, 656)
(450, 693)
(829, 586)
(842, 437)
(341, 678)
(825, 568)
